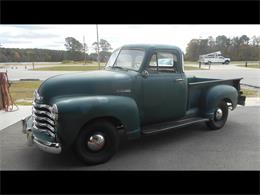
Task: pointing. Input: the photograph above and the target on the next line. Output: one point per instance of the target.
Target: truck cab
(142, 90)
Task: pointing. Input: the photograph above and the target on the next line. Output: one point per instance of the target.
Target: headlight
(54, 111)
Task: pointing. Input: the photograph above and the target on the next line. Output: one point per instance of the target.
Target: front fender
(75, 112)
(217, 93)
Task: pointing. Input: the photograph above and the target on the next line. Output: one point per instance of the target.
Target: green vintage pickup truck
(142, 90)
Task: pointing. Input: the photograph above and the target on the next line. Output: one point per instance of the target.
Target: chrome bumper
(50, 147)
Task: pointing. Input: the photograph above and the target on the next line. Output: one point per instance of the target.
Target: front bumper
(47, 146)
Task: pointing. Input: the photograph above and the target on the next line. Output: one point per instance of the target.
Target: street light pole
(98, 48)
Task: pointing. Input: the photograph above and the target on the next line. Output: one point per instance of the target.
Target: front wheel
(97, 143)
(220, 116)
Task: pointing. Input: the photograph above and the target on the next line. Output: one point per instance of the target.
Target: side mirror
(145, 73)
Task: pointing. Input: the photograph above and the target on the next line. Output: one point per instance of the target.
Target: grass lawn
(68, 68)
(69, 63)
(251, 66)
(243, 62)
(191, 62)
(192, 68)
(249, 92)
(82, 63)
(22, 91)
(77, 63)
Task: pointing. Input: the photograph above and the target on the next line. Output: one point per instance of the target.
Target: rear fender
(216, 94)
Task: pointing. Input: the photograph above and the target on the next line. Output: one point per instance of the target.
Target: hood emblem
(123, 90)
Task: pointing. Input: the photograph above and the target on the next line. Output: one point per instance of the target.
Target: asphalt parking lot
(235, 147)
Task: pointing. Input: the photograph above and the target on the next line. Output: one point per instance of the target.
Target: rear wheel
(97, 143)
(220, 116)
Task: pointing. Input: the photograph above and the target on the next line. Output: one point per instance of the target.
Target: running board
(156, 128)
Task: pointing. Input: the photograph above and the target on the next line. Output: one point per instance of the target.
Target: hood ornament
(37, 97)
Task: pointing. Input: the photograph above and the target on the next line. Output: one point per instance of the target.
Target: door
(164, 89)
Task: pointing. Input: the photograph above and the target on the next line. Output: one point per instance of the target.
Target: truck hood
(86, 83)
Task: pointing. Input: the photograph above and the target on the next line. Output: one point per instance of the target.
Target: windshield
(127, 59)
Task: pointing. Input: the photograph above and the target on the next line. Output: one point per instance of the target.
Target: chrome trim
(43, 118)
(45, 131)
(174, 126)
(218, 114)
(43, 112)
(36, 96)
(43, 125)
(29, 136)
(42, 106)
(123, 90)
(24, 125)
(96, 142)
(25, 128)
(51, 147)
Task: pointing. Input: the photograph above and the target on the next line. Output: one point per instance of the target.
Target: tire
(88, 151)
(227, 62)
(218, 123)
(209, 62)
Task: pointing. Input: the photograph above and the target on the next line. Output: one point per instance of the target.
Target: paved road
(235, 147)
(15, 75)
(251, 76)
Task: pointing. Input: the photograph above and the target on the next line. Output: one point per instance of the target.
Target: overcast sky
(53, 36)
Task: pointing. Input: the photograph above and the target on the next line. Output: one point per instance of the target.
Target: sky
(53, 36)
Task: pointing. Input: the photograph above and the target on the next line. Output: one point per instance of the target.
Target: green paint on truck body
(130, 98)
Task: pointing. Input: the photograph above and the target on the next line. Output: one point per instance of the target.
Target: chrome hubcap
(218, 114)
(96, 142)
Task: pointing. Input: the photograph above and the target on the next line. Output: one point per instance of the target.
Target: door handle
(178, 80)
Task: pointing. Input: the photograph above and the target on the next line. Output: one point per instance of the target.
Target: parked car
(215, 57)
(143, 90)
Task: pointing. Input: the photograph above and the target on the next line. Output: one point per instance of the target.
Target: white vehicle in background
(215, 57)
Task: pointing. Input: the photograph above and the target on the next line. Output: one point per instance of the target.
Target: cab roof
(151, 46)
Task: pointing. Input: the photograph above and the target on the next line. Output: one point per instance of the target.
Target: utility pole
(84, 47)
(98, 48)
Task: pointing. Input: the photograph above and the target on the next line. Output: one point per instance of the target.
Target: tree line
(75, 51)
(237, 48)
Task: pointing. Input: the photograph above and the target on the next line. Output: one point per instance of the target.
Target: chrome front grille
(43, 119)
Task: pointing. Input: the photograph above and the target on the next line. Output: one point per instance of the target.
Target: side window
(153, 63)
(166, 62)
(163, 62)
